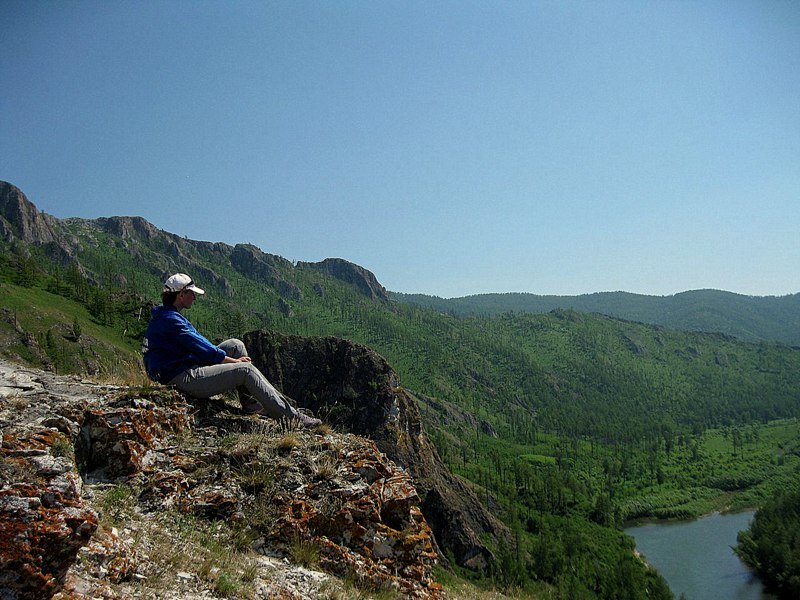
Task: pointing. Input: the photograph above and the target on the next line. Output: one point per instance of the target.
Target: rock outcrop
(354, 389)
(128, 228)
(362, 279)
(268, 268)
(77, 455)
(22, 220)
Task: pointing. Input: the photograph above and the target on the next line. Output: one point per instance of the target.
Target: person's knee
(234, 348)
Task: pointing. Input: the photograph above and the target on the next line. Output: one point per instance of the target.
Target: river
(696, 559)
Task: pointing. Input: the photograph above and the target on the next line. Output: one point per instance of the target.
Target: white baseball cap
(180, 282)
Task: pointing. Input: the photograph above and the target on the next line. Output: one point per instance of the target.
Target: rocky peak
(354, 389)
(252, 262)
(21, 220)
(363, 280)
(128, 228)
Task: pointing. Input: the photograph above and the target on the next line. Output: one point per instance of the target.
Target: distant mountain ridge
(749, 318)
(160, 252)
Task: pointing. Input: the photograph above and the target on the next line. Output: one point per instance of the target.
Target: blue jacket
(172, 345)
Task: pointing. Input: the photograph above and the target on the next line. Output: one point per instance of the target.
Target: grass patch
(323, 429)
(304, 552)
(288, 441)
(176, 542)
(226, 585)
(261, 514)
(129, 373)
(62, 447)
(117, 505)
(243, 446)
(255, 477)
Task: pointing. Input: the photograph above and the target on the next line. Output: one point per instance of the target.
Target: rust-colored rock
(335, 491)
(120, 442)
(43, 519)
(375, 531)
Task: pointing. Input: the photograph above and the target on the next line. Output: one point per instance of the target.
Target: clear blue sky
(450, 147)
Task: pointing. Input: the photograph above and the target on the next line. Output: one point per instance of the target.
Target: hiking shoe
(307, 422)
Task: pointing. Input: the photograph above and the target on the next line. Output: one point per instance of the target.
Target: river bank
(708, 473)
(724, 511)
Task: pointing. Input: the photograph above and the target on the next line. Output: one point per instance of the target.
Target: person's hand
(229, 359)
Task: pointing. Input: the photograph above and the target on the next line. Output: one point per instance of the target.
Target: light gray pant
(204, 382)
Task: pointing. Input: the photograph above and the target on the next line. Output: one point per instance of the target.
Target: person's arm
(189, 340)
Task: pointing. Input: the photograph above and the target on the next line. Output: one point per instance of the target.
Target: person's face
(185, 299)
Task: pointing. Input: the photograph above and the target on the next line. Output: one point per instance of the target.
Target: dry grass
(174, 542)
(243, 445)
(304, 552)
(17, 402)
(288, 441)
(324, 429)
(128, 373)
(349, 589)
(266, 427)
(324, 467)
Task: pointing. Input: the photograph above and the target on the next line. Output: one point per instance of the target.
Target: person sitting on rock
(176, 354)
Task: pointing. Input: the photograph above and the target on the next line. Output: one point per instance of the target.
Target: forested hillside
(771, 545)
(749, 318)
(565, 423)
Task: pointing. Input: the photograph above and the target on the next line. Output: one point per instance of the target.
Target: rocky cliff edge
(354, 389)
(118, 492)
